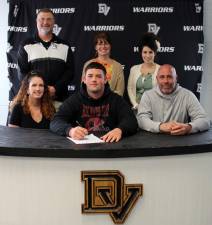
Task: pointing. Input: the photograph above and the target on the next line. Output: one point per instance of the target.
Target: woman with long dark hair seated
(32, 107)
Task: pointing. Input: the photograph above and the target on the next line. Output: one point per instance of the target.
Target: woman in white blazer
(143, 76)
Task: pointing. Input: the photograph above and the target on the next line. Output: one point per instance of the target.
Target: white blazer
(135, 72)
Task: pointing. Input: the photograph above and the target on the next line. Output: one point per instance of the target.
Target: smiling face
(95, 81)
(45, 23)
(166, 79)
(148, 55)
(103, 47)
(36, 88)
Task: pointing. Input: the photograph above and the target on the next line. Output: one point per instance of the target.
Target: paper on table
(88, 139)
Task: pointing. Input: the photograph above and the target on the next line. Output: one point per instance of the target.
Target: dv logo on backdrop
(56, 29)
(73, 48)
(15, 12)
(199, 86)
(103, 9)
(200, 48)
(106, 192)
(198, 7)
(152, 27)
(9, 47)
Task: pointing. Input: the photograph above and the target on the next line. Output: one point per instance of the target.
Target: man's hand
(113, 135)
(166, 127)
(175, 128)
(52, 91)
(180, 129)
(78, 133)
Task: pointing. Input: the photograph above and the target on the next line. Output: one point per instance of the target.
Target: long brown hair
(47, 107)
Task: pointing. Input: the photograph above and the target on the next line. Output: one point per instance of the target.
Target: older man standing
(48, 54)
(170, 108)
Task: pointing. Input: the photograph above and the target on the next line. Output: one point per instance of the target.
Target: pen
(78, 123)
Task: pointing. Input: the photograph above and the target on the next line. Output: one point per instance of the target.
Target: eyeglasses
(103, 43)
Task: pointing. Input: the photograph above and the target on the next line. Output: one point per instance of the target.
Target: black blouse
(19, 118)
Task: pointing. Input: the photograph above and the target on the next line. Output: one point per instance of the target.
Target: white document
(88, 139)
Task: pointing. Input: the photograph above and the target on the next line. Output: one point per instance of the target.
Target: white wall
(4, 83)
(206, 93)
(177, 190)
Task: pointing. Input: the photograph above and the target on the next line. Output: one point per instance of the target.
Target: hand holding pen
(78, 132)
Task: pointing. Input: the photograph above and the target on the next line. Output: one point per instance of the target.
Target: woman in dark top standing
(32, 107)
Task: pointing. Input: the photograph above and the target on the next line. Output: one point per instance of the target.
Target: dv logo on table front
(106, 192)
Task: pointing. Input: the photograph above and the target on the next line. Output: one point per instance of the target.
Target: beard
(45, 30)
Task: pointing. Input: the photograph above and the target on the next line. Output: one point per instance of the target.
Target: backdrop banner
(178, 24)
